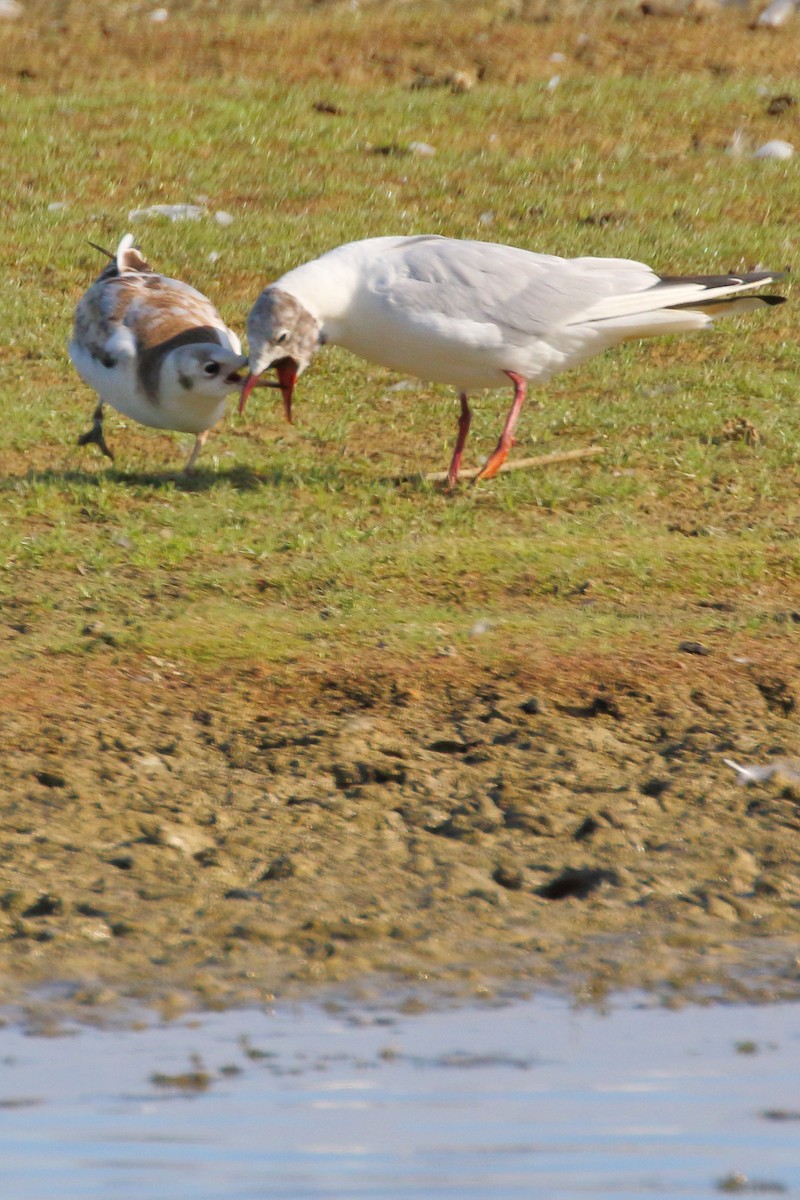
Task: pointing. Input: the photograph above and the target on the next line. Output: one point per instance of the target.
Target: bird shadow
(242, 479)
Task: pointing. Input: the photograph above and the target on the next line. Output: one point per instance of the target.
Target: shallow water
(531, 1100)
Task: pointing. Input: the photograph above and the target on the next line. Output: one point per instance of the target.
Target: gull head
(281, 333)
(208, 370)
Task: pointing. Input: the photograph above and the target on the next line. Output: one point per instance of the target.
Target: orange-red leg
(461, 441)
(500, 452)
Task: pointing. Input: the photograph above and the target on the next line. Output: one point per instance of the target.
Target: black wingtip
(716, 281)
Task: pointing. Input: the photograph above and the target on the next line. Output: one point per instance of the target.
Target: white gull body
(155, 349)
(476, 314)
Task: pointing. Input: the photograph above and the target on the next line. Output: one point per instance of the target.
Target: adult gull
(475, 315)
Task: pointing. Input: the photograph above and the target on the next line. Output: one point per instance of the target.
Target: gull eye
(281, 338)
(211, 369)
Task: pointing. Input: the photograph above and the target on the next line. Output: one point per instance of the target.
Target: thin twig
(516, 464)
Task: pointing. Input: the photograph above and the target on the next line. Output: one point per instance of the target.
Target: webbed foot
(95, 434)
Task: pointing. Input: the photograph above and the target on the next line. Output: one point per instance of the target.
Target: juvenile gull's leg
(95, 434)
(199, 442)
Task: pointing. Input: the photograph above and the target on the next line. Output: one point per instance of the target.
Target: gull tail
(127, 258)
(679, 304)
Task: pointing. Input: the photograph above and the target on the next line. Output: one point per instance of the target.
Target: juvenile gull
(154, 349)
(475, 315)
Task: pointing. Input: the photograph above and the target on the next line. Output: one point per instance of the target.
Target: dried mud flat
(187, 837)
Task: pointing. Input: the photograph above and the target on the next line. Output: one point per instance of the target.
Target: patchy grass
(295, 543)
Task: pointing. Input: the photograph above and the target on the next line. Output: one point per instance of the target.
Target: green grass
(294, 543)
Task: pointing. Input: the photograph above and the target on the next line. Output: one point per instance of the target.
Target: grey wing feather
(523, 293)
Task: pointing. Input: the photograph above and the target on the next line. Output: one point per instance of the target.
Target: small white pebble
(174, 212)
(557, 57)
(776, 13)
(486, 218)
(422, 148)
(57, 206)
(159, 15)
(775, 149)
(553, 83)
(9, 10)
(224, 218)
(480, 627)
(214, 256)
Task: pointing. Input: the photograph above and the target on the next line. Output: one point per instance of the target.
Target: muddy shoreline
(184, 838)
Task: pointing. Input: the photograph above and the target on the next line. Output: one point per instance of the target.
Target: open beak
(286, 370)
(247, 387)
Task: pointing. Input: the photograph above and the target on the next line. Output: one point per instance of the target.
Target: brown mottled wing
(141, 318)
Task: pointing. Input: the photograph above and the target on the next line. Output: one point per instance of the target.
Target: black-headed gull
(474, 315)
(154, 349)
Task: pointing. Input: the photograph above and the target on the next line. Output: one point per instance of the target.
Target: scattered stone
(775, 149)
(188, 839)
(776, 13)
(423, 149)
(779, 104)
(150, 764)
(693, 648)
(173, 212)
(508, 877)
